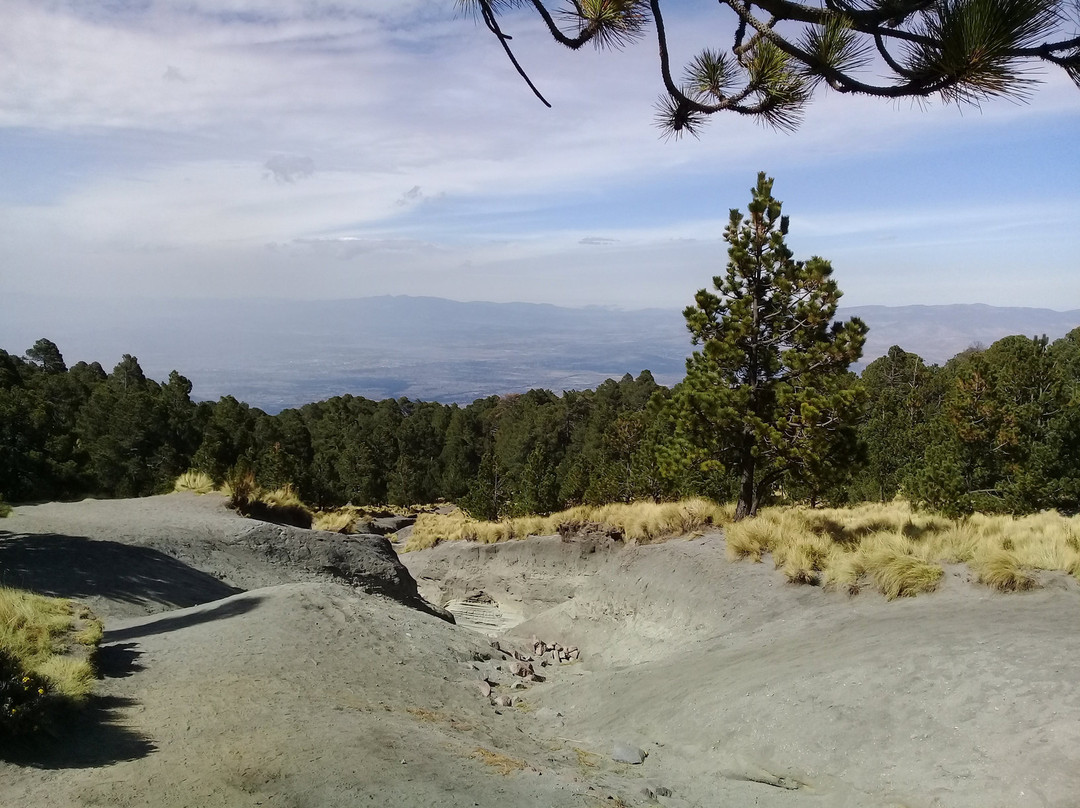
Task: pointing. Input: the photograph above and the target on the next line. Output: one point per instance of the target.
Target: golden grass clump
(69, 676)
(1000, 569)
(339, 521)
(804, 559)
(901, 550)
(196, 482)
(284, 497)
(36, 632)
(640, 522)
(751, 538)
(897, 575)
(844, 572)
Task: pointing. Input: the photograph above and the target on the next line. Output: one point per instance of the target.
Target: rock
(663, 791)
(390, 524)
(648, 794)
(623, 752)
(367, 562)
(518, 686)
(521, 668)
(503, 701)
(485, 687)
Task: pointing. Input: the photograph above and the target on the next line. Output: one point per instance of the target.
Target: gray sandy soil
(304, 690)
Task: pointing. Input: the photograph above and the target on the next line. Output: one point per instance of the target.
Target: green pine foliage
(768, 398)
(904, 396)
(768, 410)
(1006, 438)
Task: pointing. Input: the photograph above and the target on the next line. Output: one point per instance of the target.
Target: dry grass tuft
(501, 763)
(195, 481)
(844, 572)
(38, 632)
(899, 576)
(901, 550)
(639, 522)
(424, 715)
(92, 632)
(339, 521)
(69, 676)
(281, 506)
(1000, 569)
(586, 759)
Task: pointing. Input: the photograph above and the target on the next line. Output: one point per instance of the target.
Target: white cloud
(437, 169)
(289, 167)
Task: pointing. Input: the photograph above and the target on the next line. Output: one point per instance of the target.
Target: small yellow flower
(41, 691)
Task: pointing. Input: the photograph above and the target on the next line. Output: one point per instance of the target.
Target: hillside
(284, 686)
(275, 354)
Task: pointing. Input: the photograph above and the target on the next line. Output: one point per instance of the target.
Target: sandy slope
(734, 679)
(745, 691)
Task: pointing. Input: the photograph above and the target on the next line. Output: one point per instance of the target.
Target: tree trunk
(747, 504)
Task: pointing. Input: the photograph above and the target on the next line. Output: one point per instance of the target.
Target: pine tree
(771, 56)
(768, 395)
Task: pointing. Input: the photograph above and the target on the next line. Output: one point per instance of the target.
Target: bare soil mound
(135, 556)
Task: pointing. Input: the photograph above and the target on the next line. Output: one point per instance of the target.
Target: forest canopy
(994, 429)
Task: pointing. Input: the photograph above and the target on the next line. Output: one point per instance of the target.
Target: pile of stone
(521, 667)
(557, 653)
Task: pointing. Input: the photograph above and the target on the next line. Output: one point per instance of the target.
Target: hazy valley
(275, 354)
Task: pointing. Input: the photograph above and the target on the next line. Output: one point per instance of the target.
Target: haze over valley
(275, 354)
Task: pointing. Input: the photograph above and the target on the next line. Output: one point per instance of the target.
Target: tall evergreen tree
(768, 394)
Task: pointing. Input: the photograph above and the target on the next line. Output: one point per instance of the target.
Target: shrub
(242, 489)
(281, 506)
(23, 697)
(5, 509)
(39, 664)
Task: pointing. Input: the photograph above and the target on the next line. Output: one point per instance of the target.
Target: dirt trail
(236, 676)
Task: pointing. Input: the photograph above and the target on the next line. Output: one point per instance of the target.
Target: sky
(327, 149)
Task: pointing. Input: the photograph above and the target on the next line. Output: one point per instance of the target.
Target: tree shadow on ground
(118, 660)
(161, 624)
(83, 738)
(78, 567)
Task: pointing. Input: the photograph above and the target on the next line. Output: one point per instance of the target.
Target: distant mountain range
(276, 354)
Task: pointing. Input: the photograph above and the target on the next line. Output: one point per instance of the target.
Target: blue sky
(305, 148)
